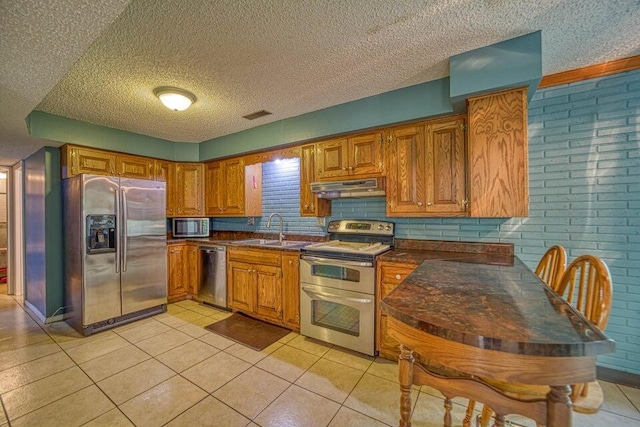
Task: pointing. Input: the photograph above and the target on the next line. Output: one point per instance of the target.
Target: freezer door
(143, 244)
(101, 279)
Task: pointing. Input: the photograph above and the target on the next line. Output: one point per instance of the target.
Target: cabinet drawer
(263, 257)
(394, 274)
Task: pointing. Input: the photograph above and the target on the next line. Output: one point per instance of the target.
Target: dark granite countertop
(495, 307)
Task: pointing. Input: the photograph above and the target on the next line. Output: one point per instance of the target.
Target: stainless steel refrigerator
(115, 250)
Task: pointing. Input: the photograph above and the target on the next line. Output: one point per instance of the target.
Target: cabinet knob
(419, 203)
(290, 262)
(306, 206)
(344, 169)
(398, 276)
(350, 168)
(428, 203)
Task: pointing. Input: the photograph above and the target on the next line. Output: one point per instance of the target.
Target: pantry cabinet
(498, 170)
(389, 275)
(358, 156)
(426, 169)
(310, 205)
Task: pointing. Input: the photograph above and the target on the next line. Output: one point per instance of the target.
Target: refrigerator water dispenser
(101, 233)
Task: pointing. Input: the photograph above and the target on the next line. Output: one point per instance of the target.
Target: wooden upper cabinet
(166, 172)
(233, 191)
(135, 167)
(406, 171)
(355, 157)
(77, 160)
(214, 188)
(426, 169)
(310, 205)
(498, 157)
(189, 186)
(233, 188)
(446, 173)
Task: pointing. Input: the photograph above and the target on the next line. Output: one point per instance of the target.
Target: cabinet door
(166, 171)
(190, 189)
(446, 167)
(310, 205)
(389, 275)
(498, 157)
(291, 291)
(365, 154)
(233, 192)
(241, 284)
(333, 159)
(215, 184)
(84, 160)
(406, 175)
(192, 265)
(134, 167)
(269, 291)
(177, 270)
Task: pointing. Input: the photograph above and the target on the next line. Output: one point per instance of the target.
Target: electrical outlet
(251, 220)
(320, 221)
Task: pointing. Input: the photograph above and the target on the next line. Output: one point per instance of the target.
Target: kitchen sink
(272, 243)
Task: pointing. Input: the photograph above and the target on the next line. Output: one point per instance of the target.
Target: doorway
(4, 235)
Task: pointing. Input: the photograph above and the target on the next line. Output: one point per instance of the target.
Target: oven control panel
(384, 228)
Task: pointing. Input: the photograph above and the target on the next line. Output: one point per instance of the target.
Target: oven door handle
(330, 297)
(328, 261)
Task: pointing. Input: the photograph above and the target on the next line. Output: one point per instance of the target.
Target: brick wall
(584, 158)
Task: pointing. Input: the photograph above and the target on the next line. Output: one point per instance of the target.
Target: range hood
(370, 187)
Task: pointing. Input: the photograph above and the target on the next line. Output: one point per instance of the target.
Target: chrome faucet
(281, 234)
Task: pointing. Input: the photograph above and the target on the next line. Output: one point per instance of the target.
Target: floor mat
(251, 332)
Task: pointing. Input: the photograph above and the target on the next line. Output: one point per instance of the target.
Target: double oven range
(337, 280)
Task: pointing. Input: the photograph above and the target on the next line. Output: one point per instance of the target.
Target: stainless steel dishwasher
(213, 283)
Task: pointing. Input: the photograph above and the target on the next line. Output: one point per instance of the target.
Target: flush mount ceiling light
(174, 98)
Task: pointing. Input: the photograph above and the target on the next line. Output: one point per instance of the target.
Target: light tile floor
(169, 370)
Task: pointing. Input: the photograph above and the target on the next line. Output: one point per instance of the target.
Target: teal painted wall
(511, 63)
(414, 102)
(43, 231)
(62, 129)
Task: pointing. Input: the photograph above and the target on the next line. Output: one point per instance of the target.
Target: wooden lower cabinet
(291, 291)
(183, 271)
(389, 275)
(256, 283)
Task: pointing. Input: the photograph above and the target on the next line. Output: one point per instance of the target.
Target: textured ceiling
(289, 56)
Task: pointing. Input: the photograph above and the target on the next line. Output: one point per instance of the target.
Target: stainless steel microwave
(190, 227)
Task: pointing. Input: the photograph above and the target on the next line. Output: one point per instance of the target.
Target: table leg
(559, 411)
(405, 377)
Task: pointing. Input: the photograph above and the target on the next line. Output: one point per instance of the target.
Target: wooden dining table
(492, 321)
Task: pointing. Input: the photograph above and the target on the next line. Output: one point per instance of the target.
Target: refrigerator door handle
(124, 230)
(117, 236)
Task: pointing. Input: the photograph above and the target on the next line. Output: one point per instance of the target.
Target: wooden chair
(586, 284)
(552, 266)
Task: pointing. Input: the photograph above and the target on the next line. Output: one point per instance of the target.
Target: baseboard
(35, 312)
(618, 377)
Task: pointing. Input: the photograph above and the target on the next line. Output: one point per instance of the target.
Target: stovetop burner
(355, 238)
